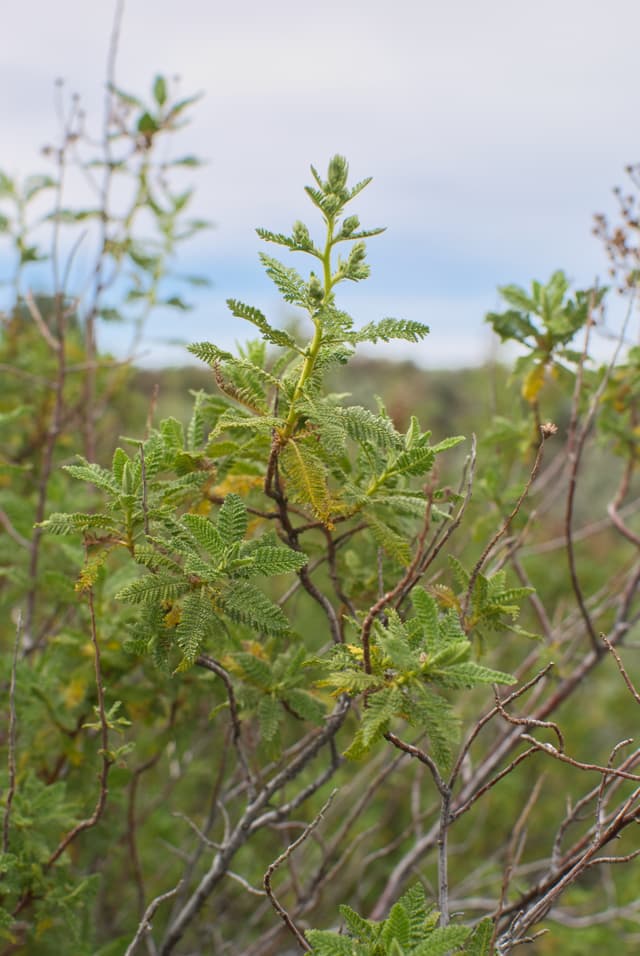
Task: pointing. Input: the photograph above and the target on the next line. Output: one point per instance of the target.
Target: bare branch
(145, 923)
(5, 521)
(210, 664)
(280, 910)
(528, 721)
(578, 764)
(40, 323)
(634, 693)
(502, 530)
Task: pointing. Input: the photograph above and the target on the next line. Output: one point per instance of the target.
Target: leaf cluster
(544, 321)
(411, 929)
(412, 661)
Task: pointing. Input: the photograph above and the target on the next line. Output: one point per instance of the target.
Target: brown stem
(11, 757)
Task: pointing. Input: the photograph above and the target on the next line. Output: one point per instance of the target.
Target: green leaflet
(209, 352)
(198, 622)
(480, 942)
(206, 534)
(442, 941)
(422, 916)
(426, 611)
(415, 461)
(470, 674)
(388, 329)
(255, 670)
(289, 283)
(375, 721)
(433, 713)
(304, 705)
(271, 561)
(95, 474)
(388, 539)
(406, 503)
(363, 426)
(270, 714)
(330, 944)
(397, 927)
(447, 443)
(246, 604)
(357, 925)
(64, 523)
(232, 520)
(196, 426)
(255, 316)
(409, 659)
(152, 589)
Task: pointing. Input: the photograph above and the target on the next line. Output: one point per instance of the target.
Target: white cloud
(492, 129)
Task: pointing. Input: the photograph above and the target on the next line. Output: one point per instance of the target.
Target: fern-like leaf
(480, 942)
(95, 474)
(470, 674)
(306, 476)
(197, 623)
(269, 717)
(246, 604)
(435, 715)
(397, 927)
(232, 520)
(375, 721)
(363, 426)
(152, 589)
(209, 353)
(415, 904)
(324, 943)
(357, 925)
(442, 941)
(289, 283)
(270, 561)
(389, 540)
(427, 614)
(388, 329)
(206, 534)
(305, 705)
(256, 317)
(62, 524)
(415, 461)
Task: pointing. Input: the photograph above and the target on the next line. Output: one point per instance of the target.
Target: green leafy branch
(409, 662)
(411, 929)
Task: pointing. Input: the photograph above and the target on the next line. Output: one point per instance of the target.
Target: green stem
(314, 347)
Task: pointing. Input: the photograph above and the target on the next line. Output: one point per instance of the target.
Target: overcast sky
(493, 131)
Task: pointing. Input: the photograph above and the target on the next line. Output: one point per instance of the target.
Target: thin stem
(280, 910)
(12, 738)
(316, 342)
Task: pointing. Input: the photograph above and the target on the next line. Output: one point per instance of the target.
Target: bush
(285, 638)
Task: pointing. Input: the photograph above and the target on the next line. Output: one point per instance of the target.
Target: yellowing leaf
(445, 596)
(307, 479)
(75, 691)
(89, 574)
(43, 925)
(533, 383)
(202, 508)
(238, 484)
(172, 618)
(255, 648)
